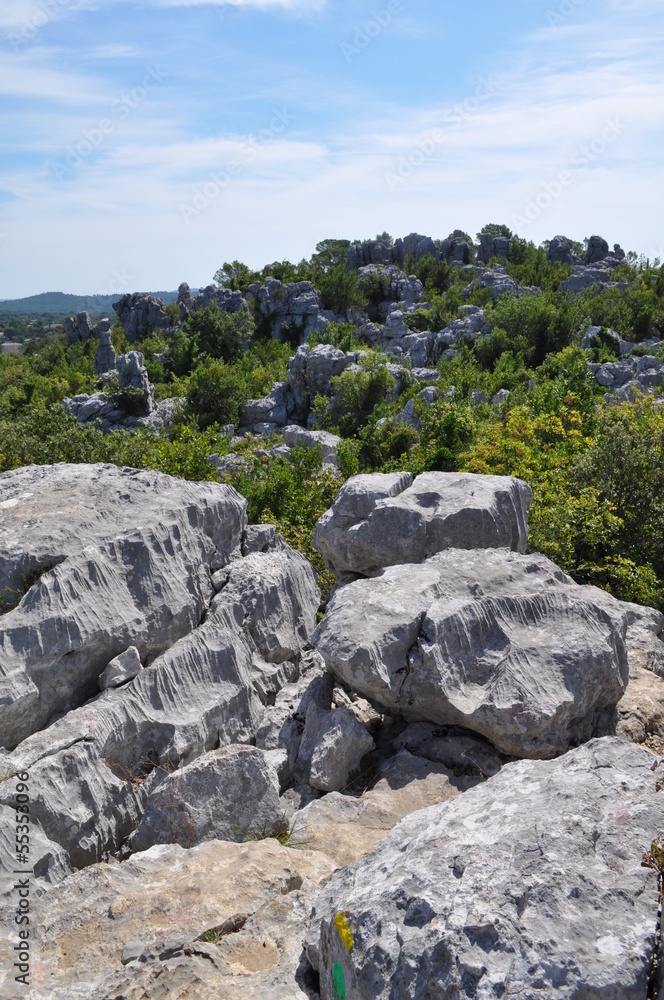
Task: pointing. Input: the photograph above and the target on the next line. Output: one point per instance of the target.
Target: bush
(216, 393)
(356, 395)
(221, 335)
(340, 290)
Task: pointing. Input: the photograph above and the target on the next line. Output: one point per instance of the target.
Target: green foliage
(236, 276)
(340, 289)
(215, 394)
(218, 334)
(356, 395)
(330, 254)
(495, 230)
(339, 335)
(603, 347)
(50, 435)
(292, 497)
(435, 275)
(534, 325)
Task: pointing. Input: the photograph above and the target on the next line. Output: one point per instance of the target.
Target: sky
(146, 142)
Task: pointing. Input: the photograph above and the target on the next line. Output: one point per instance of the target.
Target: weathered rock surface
(152, 911)
(286, 308)
(630, 377)
(141, 314)
(92, 771)
(119, 557)
(105, 355)
(381, 519)
(226, 794)
(78, 328)
(346, 827)
(531, 884)
(502, 644)
(299, 437)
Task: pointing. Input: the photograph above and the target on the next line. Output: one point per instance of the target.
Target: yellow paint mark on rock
(343, 930)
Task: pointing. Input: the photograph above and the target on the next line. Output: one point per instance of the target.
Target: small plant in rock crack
(281, 830)
(654, 858)
(10, 599)
(231, 926)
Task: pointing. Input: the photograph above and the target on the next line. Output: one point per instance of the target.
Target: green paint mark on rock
(338, 981)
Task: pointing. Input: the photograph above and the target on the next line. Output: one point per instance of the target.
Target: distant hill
(61, 304)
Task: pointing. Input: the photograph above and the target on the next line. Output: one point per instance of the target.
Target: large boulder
(227, 794)
(105, 355)
(532, 884)
(78, 328)
(502, 644)
(288, 310)
(383, 519)
(597, 250)
(112, 558)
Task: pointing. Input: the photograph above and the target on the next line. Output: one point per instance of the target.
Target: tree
(330, 254)
(496, 229)
(236, 276)
(219, 334)
(340, 290)
(216, 393)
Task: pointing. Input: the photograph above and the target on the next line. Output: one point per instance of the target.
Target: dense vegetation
(597, 470)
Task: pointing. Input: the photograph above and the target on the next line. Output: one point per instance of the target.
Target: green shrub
(218, 334)
(216, 393)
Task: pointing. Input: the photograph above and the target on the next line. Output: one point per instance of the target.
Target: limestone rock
(79, 328)
(121, 669)
(91, 772)
(218, 920)
(299, 437)
(345, 827)
(498, 892)
(141, 314)
(339, 742)
(502, 644)
(119, 557)
(105, 355)
(226, 794)
(560, 251)
(379, 520)
(597, 250)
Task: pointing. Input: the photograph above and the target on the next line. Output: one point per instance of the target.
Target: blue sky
(145, 142)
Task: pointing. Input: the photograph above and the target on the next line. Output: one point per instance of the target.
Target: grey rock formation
(79, 328)
(105, 355)
(293, 309)
(228, 301)
(334, 743)
(226, 794)
(299, 437)
(502, 644)
(490, 246)
(282, 725)
(120, 557)
(500, 283)
(597, 250)
(141, 314)
(263, 416)
(598, 274)
(379, 520)
(92, 771)
(561, 251)
(399, 287)
(498, 892)
(122, 668)
(630, 377)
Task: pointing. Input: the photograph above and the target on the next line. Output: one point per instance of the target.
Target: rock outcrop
(105, 356)
(497, 893)
(502, 644)
(140, 315)
(382, 519)
(118, 558)
(629, 378)
(288, 311)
